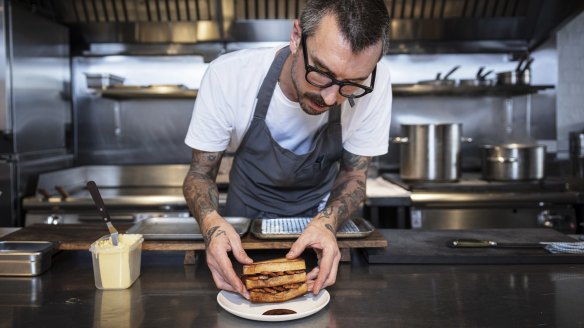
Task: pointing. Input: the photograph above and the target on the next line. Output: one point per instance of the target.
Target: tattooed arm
(346, 195)
(202, 196)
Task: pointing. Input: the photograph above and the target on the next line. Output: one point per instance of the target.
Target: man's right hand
(220, 238)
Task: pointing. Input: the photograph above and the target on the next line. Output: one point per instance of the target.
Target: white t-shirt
(226, 102)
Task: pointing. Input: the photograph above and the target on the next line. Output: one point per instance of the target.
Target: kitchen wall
(483, 118)
(152, 131)
(570, 104)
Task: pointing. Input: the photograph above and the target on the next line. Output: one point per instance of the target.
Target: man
(304, 121)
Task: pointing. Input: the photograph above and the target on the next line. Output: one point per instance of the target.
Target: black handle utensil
(92, 187)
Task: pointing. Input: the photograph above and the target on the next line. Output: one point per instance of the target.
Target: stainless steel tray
(363, 229)
(25, 258)
(180, 228)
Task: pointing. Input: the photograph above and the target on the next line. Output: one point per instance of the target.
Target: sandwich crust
(276, 265)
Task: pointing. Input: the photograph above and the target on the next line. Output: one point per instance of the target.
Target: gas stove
(472, 203)
(472, 182)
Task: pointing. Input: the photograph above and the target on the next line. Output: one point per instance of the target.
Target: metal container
(430, 152)
(102, 81)
(514, 78)
(577, 153)
(513, 162)
(25, 258)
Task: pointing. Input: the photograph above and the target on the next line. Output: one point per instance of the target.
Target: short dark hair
(362, 22)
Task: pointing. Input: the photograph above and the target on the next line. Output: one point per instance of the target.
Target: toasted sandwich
(274, 281)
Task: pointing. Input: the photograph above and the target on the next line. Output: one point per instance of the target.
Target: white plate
(304, 306)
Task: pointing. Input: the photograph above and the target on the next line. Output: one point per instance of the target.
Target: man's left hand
(320, 236)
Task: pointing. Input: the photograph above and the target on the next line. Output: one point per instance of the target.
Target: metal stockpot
(513, 162)
(430, 152)
(577, 153)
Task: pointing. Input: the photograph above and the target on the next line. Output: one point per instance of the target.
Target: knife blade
(478, 243)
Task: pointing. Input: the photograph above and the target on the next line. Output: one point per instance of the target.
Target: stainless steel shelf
(410, 90)
(148, 92)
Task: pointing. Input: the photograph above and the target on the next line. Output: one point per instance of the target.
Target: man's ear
(295, 37)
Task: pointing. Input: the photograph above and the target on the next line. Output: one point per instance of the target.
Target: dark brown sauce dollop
(279, 312)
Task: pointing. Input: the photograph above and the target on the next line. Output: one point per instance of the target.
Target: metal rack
(410, 90)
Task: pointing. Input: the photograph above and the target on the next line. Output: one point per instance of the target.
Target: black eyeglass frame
(309, 68)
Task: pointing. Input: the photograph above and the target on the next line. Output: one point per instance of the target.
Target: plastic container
(116, 267)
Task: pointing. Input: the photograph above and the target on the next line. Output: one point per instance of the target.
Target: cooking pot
(430, 152)
(513, 162)
(577, 153)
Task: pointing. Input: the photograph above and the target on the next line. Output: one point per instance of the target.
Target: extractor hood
(418, 26)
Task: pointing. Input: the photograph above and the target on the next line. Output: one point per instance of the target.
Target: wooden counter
(81, 236)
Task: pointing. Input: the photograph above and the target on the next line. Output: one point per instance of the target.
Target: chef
(304, 121)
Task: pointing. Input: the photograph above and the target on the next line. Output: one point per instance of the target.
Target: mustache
(316, 98)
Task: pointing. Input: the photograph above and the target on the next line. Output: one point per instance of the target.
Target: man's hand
(220, 238)
(320, 236)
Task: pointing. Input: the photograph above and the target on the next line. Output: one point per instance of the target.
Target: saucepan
(513, 162)
(520, 76)
(480, 80)
(442, 81)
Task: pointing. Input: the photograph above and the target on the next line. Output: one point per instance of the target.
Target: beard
(303, 97)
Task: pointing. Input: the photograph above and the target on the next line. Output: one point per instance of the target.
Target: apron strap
(269, 84)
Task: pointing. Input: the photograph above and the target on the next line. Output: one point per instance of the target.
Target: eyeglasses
(322, 80)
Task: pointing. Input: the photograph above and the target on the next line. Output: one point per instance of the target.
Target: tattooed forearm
(330, 227)
(209, 235)
(348, 190)
(212, 233)
(199, 187)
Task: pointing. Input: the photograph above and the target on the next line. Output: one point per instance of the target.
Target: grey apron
(267, 180)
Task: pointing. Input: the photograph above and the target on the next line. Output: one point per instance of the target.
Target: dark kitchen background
(104, 90)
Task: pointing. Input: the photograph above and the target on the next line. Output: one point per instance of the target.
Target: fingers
(297, 248)
(328, 269)
(238, 251)
(312, 274)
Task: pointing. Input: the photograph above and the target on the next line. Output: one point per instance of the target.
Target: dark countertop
(170, 294)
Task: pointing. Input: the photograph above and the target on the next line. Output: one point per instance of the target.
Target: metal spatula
(92, 187)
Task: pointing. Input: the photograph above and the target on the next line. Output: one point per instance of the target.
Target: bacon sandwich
(275, 281)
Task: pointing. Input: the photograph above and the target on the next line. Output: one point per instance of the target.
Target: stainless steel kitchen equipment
(185, 228)
(577, 153)
(176, 27)
(480, 79)
(513, 162)
(430, 152)
(132, 193)
(292, 227)
(474, 203)
(520, 76)
(442, 81)
(103, 80)
(36, 125)
(25, 258)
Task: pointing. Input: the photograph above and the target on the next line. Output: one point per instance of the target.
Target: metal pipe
(105, 13)
(188, 10)
(168, 16)
(403, 9)
(125, 11)
(442, 9)
(158, 14)
(432, 8)
(412, 9)
(115, 9)
(76, 12)
(148, 10)
(94, 5)
(197, 10)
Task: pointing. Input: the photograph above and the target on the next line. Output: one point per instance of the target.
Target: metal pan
(181, 228)
(353, 228)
